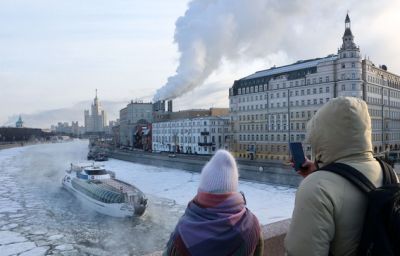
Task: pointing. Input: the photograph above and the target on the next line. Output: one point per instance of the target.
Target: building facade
(64, 127)
(134, 114)
(271, 107)
(143, 137)
(96, 121)
(21, 134)
(198, 135)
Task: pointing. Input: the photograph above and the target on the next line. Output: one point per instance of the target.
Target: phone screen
(298, 158)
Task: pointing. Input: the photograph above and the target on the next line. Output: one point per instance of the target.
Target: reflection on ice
(37, 216)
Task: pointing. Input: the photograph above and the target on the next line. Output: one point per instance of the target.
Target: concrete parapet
(274, 235)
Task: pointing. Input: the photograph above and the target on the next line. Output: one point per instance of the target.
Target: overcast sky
(54, 54)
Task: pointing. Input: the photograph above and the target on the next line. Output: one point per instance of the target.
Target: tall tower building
(96, 120)
(348, 65)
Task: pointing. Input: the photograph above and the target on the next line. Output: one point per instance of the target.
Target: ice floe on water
(38, 217)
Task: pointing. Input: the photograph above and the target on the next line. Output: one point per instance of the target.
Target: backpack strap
(351, 174)
(389, 176)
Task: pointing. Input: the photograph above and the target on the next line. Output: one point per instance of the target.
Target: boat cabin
(90, 172)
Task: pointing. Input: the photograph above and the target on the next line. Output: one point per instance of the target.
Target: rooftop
(301, 64)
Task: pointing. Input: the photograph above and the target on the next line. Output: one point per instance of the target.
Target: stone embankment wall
(269, 172)
(13, 145)
(274, 235)
(4, 146)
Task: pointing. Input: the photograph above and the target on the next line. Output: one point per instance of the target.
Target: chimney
(170, 106)
(159, 106)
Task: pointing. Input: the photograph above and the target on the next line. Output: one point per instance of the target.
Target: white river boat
(98, 189)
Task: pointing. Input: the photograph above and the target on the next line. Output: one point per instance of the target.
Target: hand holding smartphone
(298, 158)
(302, 165)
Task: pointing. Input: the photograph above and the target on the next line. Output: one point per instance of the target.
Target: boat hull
(120, 210)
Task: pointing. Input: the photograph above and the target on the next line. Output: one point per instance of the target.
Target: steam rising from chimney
(214, 30)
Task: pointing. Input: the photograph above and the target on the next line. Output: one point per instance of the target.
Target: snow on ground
(38, 217)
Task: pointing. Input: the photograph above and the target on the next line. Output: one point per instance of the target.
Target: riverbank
(10, 145)
(266, 172)
(20, 144)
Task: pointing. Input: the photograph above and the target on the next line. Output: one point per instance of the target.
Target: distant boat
(101, 191)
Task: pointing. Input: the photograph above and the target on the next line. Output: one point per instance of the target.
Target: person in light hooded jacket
(329, 211)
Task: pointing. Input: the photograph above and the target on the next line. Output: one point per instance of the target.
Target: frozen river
(38, 217)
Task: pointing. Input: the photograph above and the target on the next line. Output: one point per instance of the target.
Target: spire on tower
(347, 21)
(96, 100)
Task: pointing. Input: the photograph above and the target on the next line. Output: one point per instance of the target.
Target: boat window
(96, 172)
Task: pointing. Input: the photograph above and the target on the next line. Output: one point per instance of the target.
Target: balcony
(204, 133)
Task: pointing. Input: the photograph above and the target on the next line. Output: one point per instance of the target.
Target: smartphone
(298, 158)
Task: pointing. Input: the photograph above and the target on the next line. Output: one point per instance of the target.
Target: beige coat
(329, 211)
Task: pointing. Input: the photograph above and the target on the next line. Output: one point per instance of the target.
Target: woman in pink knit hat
(217, 222)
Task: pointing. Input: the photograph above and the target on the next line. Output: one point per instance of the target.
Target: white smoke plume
(213, 30)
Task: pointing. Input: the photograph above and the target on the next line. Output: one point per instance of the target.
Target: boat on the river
(101, 191)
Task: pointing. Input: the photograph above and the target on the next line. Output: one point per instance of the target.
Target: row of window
(393, 124)
(283, 94)
(191, 131)
(380, 90)
(375, 112)
(263, 157)
(271, 137)
(265, 148)
(261, 88)
(272, 117)
(272, 127)
(187, 139)
(296, 103)
(189, 124)
(277, 95)
(376, 101)
(377, 80)
(382, 81)
(182, 149)
(386, 137)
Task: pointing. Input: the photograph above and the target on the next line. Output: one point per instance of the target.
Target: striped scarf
(216, 224)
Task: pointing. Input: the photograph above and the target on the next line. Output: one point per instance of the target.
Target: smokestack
(170, 106)
(159, 106)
